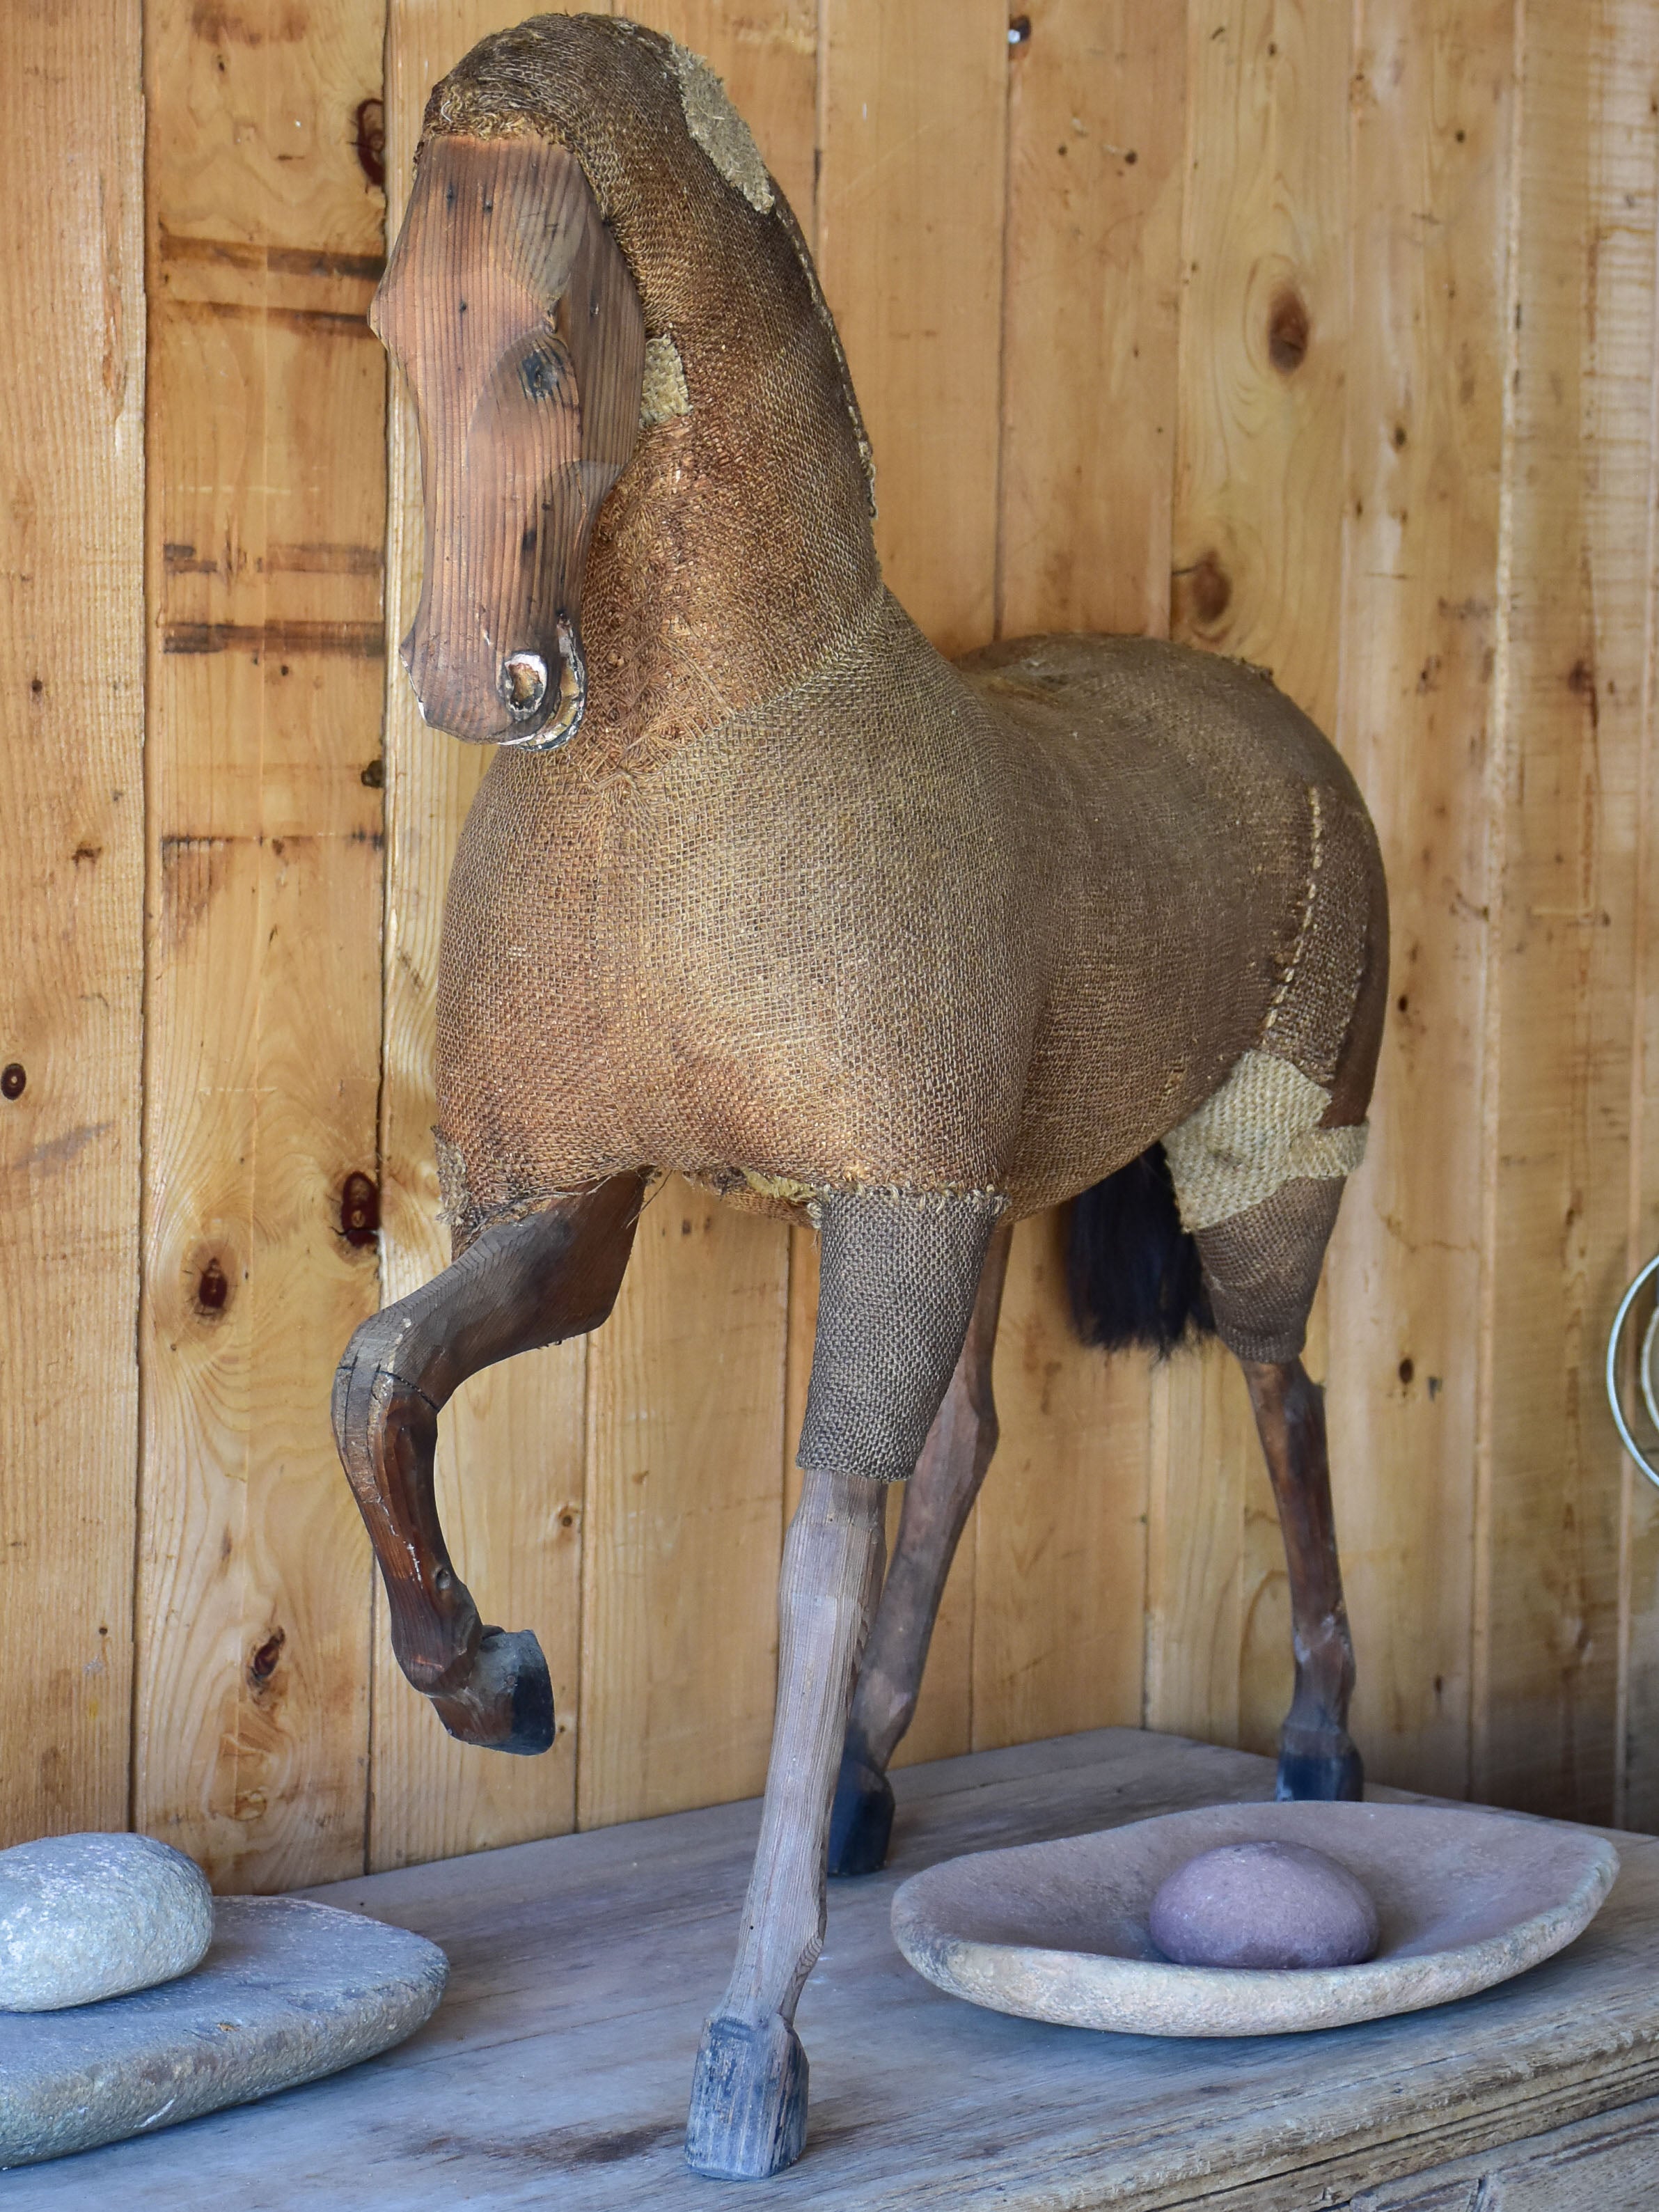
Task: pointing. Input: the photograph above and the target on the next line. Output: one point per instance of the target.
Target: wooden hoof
(748, 2117)
(506, 1702)
(861, 1820)
(1329, 1776)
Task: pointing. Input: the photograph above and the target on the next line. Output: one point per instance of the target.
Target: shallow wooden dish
(1058, 1931)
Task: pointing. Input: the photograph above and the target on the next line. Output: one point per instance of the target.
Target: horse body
(902, 924)
(759, 888)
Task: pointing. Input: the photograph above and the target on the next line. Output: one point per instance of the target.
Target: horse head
(596, 274)
(519, 332)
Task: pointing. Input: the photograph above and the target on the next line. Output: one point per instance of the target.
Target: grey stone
(1267, 1903)
(289, 1991)
(95, 1915)
(1465, 1898)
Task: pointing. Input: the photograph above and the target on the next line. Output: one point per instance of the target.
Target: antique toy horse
(761, 890)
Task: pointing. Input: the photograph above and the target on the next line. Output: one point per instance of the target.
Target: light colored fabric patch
(1257, 1133)
(663, 393)
(779, 1186)
(721, 131)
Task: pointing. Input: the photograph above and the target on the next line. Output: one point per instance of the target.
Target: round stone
(95, 1915)
(1263, 1905)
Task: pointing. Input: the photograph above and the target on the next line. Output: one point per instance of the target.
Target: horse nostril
(523, 684)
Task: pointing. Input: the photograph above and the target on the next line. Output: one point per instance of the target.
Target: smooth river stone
(95, 1915)
(289, 1991)
(1266, 1904)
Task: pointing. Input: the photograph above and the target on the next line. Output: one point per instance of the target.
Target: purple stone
(1263, 1905)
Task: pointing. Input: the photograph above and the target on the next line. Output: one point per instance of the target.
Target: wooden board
(684, 1514)
(1570, 670)
(262, 1064)
(71, 816)
(1258, 518)
(1432, 99)
(912, 114)
(557, 2068)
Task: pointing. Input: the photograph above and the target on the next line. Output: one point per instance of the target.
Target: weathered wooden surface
(72, 920)
(262, 1069)
(582, 1970)
(1602, 2165)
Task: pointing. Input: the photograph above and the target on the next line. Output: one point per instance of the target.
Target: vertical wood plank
(1094, 158)
(684, 1531)
(71, 800)
(511, 1442)
(1094, 151)
(912, 112)
(265, 423)
(1570, 667)
(1060, 1554)
(1638, 1748)
(1431, 98)
(1257, 547)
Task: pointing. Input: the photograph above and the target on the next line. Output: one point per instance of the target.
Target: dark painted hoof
(748, 2116)
(1327, 1776)
(861, 1820)
(506, 1704)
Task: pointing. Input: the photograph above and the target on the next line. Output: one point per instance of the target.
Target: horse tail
(1133, 1271)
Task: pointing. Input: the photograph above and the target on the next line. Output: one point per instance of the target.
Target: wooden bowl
(1057, 1931)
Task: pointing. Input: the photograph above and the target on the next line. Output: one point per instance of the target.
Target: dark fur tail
(1132, 1269)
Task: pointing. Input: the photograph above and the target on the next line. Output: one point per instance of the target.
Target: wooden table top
(555, 2071)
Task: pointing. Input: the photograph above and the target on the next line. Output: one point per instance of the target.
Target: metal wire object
(1644, 1366)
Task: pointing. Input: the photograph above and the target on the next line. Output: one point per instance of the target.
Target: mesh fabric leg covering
(897, 1277)
(1262, 1267)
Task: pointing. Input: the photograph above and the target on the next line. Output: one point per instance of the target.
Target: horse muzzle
(531, 697)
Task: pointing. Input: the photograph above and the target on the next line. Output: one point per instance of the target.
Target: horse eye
(541, 375)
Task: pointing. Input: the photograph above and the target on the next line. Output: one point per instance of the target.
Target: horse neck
(731, 558)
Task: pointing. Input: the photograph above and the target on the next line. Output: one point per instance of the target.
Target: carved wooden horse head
(517, 328)
(760, 890)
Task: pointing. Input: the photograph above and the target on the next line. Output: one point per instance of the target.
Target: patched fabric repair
(1258, 1132)
(721, 131)
(662, 393)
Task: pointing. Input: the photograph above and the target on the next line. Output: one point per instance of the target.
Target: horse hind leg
(518, 1286)
(1262, 1269)
(938, 1499)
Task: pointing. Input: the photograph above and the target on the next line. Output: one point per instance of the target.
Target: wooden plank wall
(1321, 335)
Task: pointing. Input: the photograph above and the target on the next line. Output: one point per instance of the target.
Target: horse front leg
(938, 1499)
(897, 1284)
(518, 1286)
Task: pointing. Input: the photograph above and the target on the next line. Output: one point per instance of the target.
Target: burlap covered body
(805, 908)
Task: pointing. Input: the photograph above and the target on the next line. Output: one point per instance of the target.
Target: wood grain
(1432, 111)
(911, 136)
(1257, 555)
(1059, 1560)
(683, 1527)
(264, 424)
(1570, 670)
(71, 797)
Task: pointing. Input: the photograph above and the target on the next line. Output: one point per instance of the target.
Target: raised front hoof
(506, 1703)
(1329, 1776)
(861, 1820)
(748, 2117)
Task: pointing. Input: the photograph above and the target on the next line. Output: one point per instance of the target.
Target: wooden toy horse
(759, 889)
